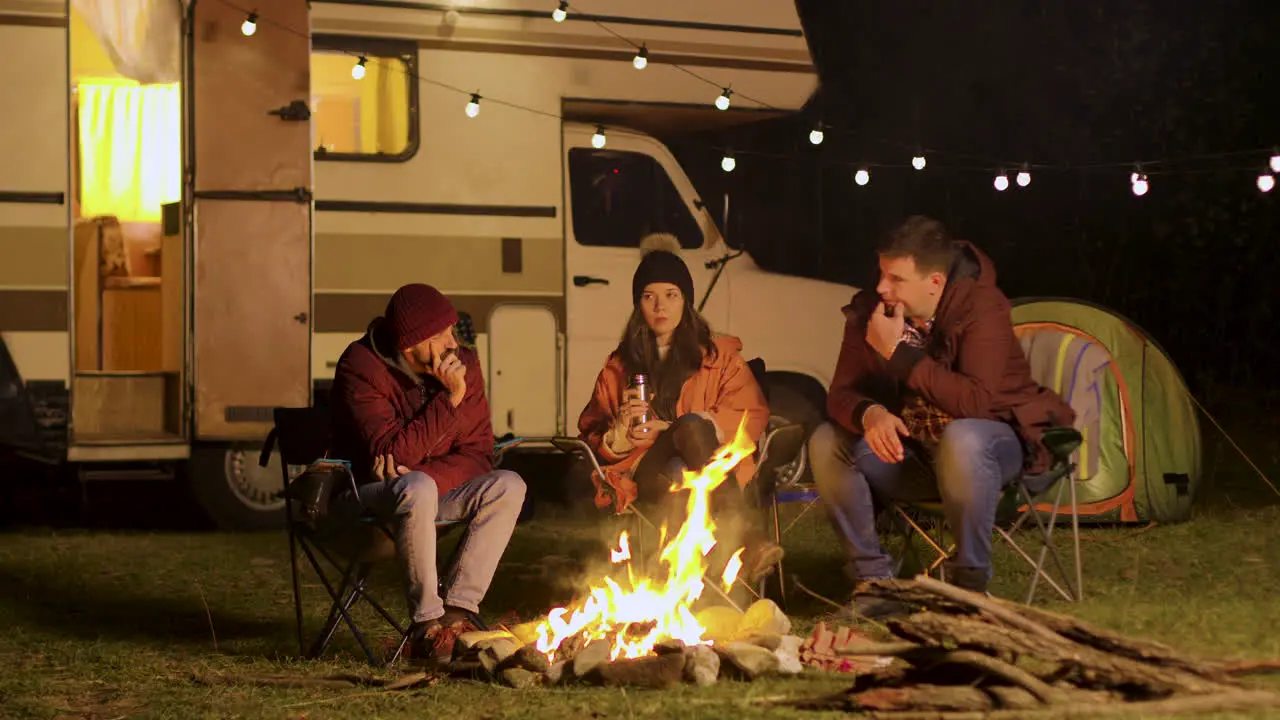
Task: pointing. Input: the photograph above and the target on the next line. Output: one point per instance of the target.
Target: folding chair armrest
(268, 445)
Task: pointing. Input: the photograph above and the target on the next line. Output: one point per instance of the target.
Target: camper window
(620, 197)
(364, 99)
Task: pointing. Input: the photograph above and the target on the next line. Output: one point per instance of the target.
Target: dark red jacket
(381, 407)
(973, 366)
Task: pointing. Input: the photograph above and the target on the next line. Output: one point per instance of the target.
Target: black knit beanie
(661, 266)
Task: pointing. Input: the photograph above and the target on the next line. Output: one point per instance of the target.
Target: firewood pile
(745, 646)
(959, 654)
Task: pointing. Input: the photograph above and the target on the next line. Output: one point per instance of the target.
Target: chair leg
(1046, 537)
(777, 538)
(1075, 538)
(297, 586)
(342, 597)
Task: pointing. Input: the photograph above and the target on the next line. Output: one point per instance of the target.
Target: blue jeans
(972, 465)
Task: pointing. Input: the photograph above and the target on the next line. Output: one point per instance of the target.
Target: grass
(111, 624)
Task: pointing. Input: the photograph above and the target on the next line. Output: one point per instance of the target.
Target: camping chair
(352, 549)
(783, 456)
(1019, 498)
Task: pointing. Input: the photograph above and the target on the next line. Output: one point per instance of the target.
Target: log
(297, 681)
(1082, 665)
(1009, 673)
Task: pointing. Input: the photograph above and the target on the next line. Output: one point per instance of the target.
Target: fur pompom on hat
(416, 312)
(661, 266)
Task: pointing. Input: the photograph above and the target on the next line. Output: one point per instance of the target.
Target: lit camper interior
(127, 249)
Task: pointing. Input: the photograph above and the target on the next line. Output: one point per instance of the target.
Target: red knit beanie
(416, 312)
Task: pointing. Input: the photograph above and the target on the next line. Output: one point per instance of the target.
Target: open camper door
(252, 238)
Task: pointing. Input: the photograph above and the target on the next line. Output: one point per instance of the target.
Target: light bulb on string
(728, 163)
(918, 162)
(561, 12)
(357, 70)
(641, 60)
(1140, 184)
(1266, 182)
(862, 177)
(597, 140)
(473, 107)
(1275, 161)
(816, 135)
(1024, 176)
(1002, 181)
(722, 102)
(250, 25)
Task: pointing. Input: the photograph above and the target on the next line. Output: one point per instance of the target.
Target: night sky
(1086, 88)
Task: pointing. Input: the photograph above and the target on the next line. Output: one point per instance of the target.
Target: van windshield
(619, 197)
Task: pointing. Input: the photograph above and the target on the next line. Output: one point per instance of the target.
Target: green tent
(1140, 460)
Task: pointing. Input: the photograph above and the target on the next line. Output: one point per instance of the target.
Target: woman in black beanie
(700, 388)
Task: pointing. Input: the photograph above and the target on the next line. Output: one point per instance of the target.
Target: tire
(796, 398)
(233, 490)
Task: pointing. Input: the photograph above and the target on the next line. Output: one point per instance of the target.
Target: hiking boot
(759, 558)
(871, 607)
(433, 641)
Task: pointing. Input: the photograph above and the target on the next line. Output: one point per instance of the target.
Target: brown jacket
(973, 366)
(723, 389)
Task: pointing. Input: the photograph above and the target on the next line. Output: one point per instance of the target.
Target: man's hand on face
(881, 429)
(449, 369)
(884, 332)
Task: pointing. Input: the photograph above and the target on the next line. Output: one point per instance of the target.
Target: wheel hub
(254, 485)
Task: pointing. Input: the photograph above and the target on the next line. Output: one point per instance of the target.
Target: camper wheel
(234, 491)
(798, 398)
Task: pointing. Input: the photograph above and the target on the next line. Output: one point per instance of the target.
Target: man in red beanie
(411, 414)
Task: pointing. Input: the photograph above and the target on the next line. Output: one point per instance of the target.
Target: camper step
(132, 473)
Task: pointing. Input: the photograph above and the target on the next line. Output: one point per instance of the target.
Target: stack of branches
(961, 654)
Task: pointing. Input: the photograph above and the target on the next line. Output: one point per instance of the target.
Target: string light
(722, 102)
(1139, 181)
(728, 163)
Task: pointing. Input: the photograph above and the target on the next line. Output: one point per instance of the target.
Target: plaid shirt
(924, 421)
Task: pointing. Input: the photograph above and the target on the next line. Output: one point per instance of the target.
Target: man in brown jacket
(932, 398)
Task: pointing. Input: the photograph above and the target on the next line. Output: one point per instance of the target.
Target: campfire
(636, 614)
(631, 628)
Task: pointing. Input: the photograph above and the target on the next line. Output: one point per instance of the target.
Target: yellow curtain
(130, 149)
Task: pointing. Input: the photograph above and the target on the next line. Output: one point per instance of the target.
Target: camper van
(203, 202)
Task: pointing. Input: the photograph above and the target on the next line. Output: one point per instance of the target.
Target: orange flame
(623, 552)
(636, 617)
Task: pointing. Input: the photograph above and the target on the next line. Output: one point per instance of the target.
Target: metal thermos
(640, 383)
